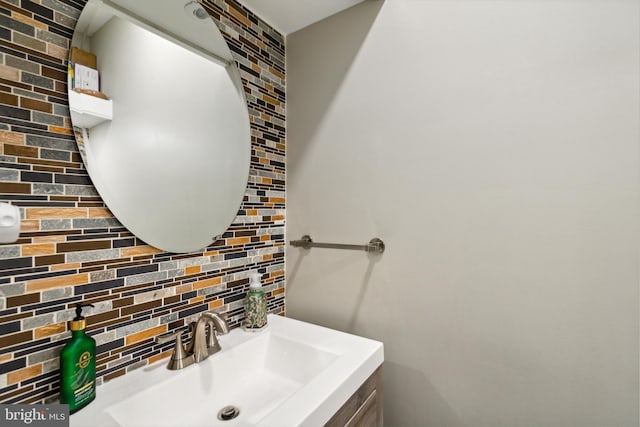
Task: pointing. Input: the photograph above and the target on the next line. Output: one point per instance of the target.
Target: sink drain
(228, 413)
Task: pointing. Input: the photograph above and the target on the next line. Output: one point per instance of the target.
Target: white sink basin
(291, 374)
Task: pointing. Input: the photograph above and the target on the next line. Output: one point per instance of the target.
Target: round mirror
(160, 117)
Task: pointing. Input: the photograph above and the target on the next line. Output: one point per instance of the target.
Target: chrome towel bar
(375, 245)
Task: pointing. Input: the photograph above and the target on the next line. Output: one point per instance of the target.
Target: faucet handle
(179, 357)
(213, 346)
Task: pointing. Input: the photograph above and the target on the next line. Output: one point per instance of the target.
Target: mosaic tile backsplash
(72, 249)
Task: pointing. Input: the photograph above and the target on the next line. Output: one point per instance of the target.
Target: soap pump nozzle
(255, 283)
(79, 322)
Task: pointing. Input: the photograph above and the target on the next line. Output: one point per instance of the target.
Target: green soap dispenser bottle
(255, 306)
(78, 365)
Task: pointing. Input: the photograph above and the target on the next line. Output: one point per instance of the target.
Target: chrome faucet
(204, 341)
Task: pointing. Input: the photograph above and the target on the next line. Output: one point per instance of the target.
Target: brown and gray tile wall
(72, 249)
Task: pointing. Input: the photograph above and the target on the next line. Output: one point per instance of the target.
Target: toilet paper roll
(9, 223)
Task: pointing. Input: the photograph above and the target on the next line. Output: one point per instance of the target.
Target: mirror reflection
(160, 118)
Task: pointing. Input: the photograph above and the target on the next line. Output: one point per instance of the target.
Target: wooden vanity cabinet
(364, 407)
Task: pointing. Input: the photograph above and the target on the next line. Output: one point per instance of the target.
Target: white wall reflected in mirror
(173, 163)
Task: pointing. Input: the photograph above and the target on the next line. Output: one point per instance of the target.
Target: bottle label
(84, 360)
(78, 386)
(87, 391)
(83, 385)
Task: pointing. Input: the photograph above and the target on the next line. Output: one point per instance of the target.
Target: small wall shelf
(88, 111)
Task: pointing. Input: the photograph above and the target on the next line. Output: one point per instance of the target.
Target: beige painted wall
(494, 146)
